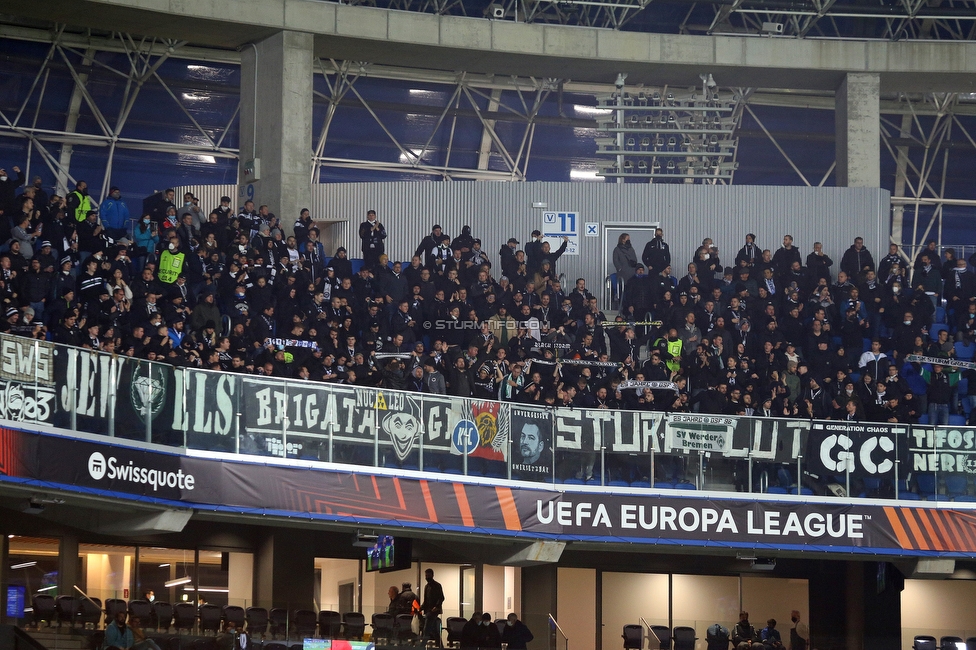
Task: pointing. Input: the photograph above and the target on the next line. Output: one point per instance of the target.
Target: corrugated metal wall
(688, 213)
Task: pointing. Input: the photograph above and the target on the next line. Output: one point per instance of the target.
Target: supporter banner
(299, 419)
(26, 402)
(942, 361)
(942, 450)
(531, 443)
(700, 432)
(645, 431)
(26, 360)
(480, 429)
(291, 343)
(205, 483)
(862, 449)
(617, 431)
(634, 384)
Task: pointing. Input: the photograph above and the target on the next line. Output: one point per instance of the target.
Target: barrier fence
(122, 397)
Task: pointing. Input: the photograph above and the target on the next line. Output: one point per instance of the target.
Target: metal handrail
(552, 621)
(650, 631)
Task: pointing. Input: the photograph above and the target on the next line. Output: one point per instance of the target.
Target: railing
(613, 292)
(557, 638)
(126, 398)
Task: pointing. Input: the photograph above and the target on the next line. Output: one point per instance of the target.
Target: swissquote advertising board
(60, 462)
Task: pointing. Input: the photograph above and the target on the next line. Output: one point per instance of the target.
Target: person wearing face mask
(191, 206)
(146, 238)
(171, 262)
(488, 635)
(41, 197)
(625, 258)
(799, 633)
(115, 214)
(516, 634)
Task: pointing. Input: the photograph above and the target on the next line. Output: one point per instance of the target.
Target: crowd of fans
(773, 333)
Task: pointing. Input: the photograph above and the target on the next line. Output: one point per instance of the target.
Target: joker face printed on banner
(403, 424)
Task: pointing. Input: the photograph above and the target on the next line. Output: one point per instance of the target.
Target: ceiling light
(24, 565)
(177, 582)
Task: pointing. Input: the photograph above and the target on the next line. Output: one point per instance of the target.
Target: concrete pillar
(538, 601)
(857, 120)
(276, 124)
(4, 574)
(284, 570)
(855, 605)
(68, 565)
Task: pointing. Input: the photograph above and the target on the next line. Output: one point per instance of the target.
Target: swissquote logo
(99, 467)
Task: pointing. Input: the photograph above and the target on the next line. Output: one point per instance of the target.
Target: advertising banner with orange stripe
(398, 502)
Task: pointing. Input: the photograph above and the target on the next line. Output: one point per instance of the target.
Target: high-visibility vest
(84, 205)
(170, 266)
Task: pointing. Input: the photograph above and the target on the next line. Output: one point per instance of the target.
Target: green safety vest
(84, 205)
(674, 349)
(170, 266)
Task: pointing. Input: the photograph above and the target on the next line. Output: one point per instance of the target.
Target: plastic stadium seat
(684, 638)
(663, 633)
(574, 481)
(44, 609)
(278, 616)
(403, 631)
(67, 608)
(257, 620)
(940, 315)
(618, 484)
(303, 623)
(353, 625)
(865, 345)
(927, 484)
(185, 616)
(236, 615)
(633, 637)
(112, 607)
(454, 625)
(210, 616)
(935, 329)
(909, 496)
(663, 485)
(925, 643)
(775, 489)
(804, 491)
(950, 642)
(957, 420)
(685, 486)
(956, 484)
(971, 643)
(640, 484)
(965, 352)
(923, 419)
(330, 624)
(965, 498)
(142, 609)
(162, 615)
(90, 611)
(383, 625)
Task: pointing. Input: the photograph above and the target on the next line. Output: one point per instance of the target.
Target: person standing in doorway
(799, 633)
(431, 608)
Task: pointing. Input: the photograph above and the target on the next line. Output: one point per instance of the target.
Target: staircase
(54, 638)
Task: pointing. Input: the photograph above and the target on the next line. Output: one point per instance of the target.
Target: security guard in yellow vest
(79, 203)
(170, 263)
(670, 347)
